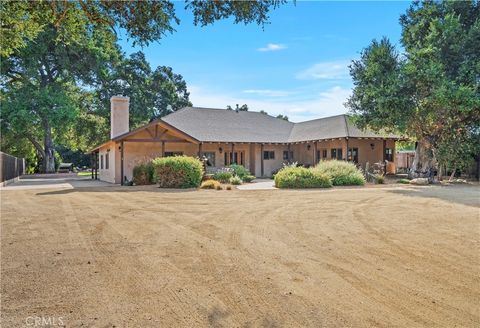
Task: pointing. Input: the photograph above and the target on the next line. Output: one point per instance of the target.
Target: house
(259, 142)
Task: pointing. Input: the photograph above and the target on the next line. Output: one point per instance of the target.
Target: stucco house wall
(104, 173)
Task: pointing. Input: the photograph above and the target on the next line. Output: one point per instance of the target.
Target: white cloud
(272, 47)
(331, 70)
(326, 103)
(268, 92)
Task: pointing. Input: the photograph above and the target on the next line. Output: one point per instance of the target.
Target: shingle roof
(222, 125)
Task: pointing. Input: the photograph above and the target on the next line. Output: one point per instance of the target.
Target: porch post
(347, 151)
(315, 159)
(122, 152)
(199, 150)
(163, 148)
(288, 156)
(92, 161)
(231, 155)
(261, 158)
(384, 146)
(96, 164)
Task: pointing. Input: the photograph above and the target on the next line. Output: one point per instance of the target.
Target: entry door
(353, 155)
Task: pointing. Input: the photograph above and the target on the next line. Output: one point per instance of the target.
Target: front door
(353, 155)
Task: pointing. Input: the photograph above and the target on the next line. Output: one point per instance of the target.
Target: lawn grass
(84, 173)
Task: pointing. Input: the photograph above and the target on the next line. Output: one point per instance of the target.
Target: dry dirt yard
(141, 257)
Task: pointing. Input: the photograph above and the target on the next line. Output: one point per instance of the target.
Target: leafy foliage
(235, 180)
(430, 93)
(248, 178)
(178, 172)
(301, 177)
(223, 176)
(144, 21)
(243, 108)
(153, 93)
(341, 173)
(60, 64)
(239, 170)
(144, 174)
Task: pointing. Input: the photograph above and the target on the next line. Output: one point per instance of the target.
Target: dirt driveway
(139, 257)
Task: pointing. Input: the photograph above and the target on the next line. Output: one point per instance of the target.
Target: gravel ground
(142, 257)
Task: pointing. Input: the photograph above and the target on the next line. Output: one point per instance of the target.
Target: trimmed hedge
(144, 174)
(342, 173)
(178, 172)
(301, 177)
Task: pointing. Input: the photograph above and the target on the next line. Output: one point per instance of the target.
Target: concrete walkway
(258, 184)
(48, 181)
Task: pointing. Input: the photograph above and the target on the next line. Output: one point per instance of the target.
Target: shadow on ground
(458, 194)
(113, 188)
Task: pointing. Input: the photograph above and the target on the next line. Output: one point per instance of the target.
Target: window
(172, 153)
(324, 153)
(389, 154)
(352, 155)
(101, 162)
(269, 154)
(336, 153)
(236, 157)
(106, 161)
(210, 157)
(287, 156)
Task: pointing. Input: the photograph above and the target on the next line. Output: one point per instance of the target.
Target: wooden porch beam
(156, 140)
(122, 152)
(261, 162)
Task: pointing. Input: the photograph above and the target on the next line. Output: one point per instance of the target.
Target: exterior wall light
(372, 145)
(220, 150)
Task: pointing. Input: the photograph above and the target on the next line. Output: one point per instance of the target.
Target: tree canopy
(432, 91)
(144, 21)
(60, 64)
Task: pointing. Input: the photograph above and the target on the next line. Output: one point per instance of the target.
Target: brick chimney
(119, 116)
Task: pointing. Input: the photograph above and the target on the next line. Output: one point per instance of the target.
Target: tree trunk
(424, 163)
(453, 174)
(49, 158)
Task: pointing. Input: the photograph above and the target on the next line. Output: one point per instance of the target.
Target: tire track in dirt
(177, 302)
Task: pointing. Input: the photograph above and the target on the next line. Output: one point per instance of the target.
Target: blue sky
(296, 65)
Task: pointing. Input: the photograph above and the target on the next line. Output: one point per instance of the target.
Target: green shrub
(239, 170)
(404, 181)
(300, 177)
(235, 180)
(143, 174)
(342, 173)
(223, 176)
(210, 184)
(248, 178)
(178, 172)
(379, 179)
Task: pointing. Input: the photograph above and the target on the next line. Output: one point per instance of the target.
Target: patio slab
(259, 184)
